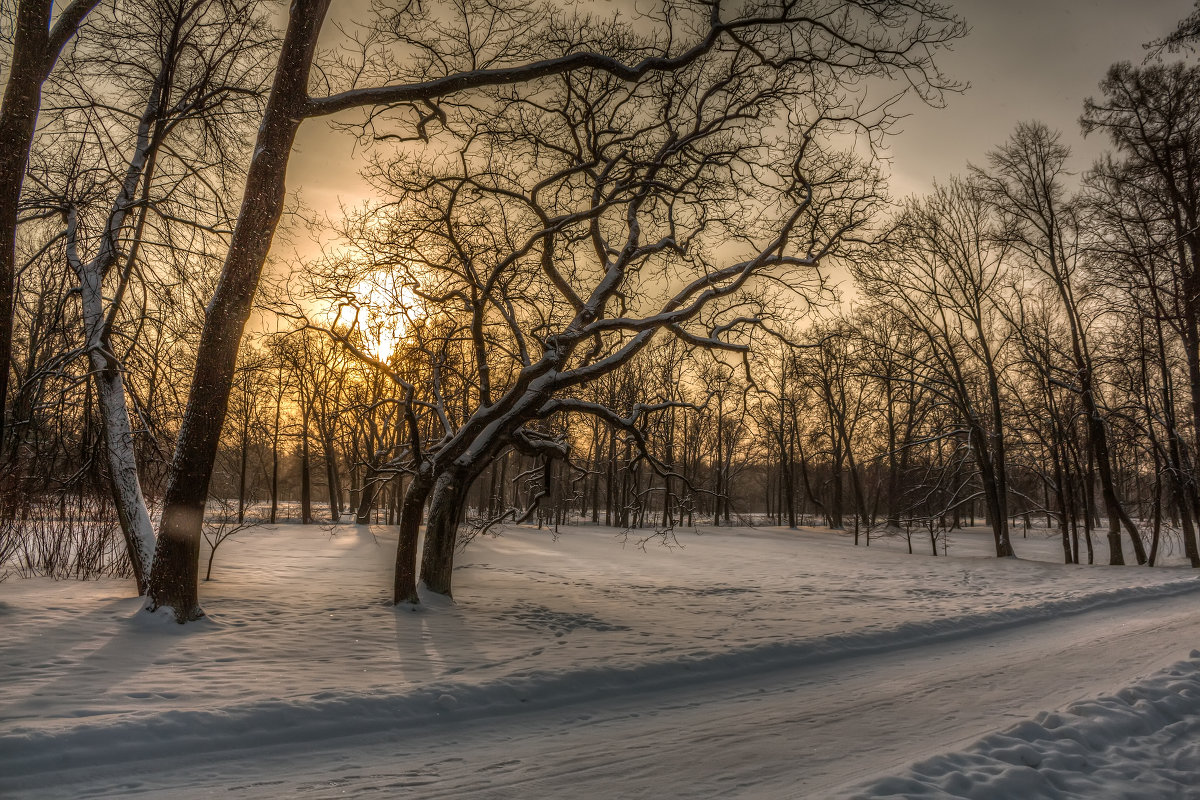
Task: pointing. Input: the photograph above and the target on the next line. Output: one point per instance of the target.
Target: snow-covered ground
(748, 662)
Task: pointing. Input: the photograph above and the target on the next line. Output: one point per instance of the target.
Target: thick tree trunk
(441, 530)
(18, 118)
(405, 586)
(173, 582)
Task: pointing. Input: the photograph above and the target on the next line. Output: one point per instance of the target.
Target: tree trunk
(306, 515)
(355, 488)
(370, 490)
(275, 463)
(610, 477)
(243, 463)
(1112, 505)
(993, 492)
(835, 503)
(332, 480)
(441, 530)
(134, 518)
(173, 582)
(124, 483)
(405, 586)
(789, 487)
(1175, 448)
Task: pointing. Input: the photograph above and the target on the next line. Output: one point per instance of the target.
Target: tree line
(592, 283)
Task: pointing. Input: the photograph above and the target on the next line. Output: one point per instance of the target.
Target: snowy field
(745, 663)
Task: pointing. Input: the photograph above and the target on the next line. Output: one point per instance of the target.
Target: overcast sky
(1024, 60)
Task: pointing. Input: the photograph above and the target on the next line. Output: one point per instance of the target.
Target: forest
(640, 270)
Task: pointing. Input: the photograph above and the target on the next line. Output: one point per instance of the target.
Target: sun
(381, 308)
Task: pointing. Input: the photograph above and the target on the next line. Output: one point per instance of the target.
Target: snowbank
(1143, 741)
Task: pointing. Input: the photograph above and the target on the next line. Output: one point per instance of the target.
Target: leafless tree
(545, 237)
(942, 269)
(36, 47)
(1146, 212)
(1025, 183)
(849, 38)
(134, 188)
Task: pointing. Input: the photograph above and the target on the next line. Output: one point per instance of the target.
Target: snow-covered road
(759, 663)
(809, 732)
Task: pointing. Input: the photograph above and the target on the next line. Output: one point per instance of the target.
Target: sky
(1023, 60)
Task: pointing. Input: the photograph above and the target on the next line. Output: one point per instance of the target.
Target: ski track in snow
(712, 670)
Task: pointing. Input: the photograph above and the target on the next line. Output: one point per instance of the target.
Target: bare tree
(840, 41)
(185, 62)
(1025, 184)
(830, 366)
(550, 231)
(890, 358)
(36, 47)
(942, 269)
(1146, 210)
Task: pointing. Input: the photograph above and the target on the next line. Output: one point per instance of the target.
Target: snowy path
(804, 732)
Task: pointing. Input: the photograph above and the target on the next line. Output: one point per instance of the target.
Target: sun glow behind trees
(381, 309)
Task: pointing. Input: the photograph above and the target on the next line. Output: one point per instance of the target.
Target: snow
(1143, 741)
(745, 662)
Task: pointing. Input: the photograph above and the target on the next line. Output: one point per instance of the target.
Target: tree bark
(173, 582)
(126, 488)
(441, 530)
(405, 586)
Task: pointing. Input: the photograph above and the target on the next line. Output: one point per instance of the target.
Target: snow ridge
(147, 735)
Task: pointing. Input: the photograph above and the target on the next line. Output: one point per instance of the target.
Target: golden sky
(1024, 60)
